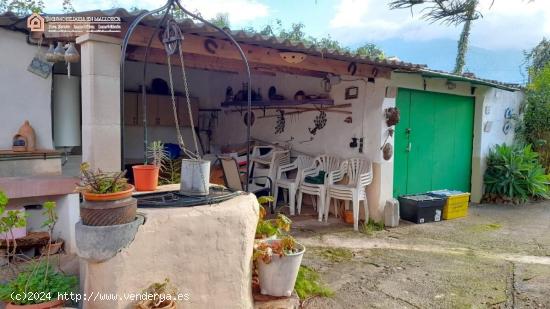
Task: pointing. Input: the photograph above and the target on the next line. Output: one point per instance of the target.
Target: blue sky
(498, 40)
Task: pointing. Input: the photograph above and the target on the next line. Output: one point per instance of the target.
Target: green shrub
(535, 126)
(308, 284)
(515, 172)
(371, 227)
(40, 280)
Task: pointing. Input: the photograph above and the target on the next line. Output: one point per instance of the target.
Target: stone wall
(205, 252)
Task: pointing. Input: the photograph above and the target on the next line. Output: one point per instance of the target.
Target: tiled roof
(11, 21)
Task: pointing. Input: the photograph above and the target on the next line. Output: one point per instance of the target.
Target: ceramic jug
(27, 131)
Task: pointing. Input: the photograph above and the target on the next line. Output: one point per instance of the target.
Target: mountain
(502, 65)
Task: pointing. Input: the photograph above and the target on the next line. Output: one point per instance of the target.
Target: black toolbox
(421, 208)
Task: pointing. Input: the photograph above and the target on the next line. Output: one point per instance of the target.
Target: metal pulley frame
(172, 42)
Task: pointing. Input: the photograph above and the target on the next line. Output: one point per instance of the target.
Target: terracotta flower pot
(146, 177)
(95, 197)
(47, 305)
(53, 248)
(348, 216)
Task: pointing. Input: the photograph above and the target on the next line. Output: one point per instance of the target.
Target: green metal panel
(421, 154)
(400, 165)
(437, 153)
(444, 140)
(463, 144)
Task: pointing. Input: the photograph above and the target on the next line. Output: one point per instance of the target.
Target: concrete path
(497, 257)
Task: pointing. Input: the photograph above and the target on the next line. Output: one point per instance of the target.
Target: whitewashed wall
(23, 95)
(334, 138)
(490, 104)
(210, 87)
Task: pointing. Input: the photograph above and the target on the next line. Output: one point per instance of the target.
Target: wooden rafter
(226, 57)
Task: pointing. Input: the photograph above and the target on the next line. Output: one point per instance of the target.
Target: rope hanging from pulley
(172, 38)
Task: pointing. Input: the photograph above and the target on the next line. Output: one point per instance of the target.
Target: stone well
(205, 252)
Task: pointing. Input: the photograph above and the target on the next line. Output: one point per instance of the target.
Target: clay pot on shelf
(27, 131)
(146, 177)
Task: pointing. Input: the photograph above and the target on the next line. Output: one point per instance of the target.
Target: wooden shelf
(279, 102)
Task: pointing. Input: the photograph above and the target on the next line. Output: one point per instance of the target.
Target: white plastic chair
(261, 164)
(359, 173)
(291, 184)
(324, 163)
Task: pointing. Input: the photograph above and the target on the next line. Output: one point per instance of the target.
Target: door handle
(409, 146)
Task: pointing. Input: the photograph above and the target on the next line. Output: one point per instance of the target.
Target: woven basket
(109, 212)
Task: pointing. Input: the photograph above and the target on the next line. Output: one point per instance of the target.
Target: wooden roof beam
(195, 44)
(213, 63)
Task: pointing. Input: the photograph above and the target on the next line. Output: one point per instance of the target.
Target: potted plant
(54, 244)
(107, 197)
(146, 176)
(12, 226)
(43, 282)
(163, 296)
(277, 255)
(272, 228)
(278, 262)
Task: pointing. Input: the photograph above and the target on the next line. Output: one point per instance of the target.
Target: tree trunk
(463, 43)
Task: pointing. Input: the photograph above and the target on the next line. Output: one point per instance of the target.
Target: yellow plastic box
(456, 205)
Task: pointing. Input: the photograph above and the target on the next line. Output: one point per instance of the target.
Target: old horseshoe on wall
(210, 46)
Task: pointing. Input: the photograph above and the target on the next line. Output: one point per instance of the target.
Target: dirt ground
(497, 257)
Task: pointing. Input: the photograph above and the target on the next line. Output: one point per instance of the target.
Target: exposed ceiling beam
(214, 63)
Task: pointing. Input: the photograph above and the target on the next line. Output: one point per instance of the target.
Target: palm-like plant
(451, 12)
(515, 172)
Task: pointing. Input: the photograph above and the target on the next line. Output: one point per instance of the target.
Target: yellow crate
(456, 206)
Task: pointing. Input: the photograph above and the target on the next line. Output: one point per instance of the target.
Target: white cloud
(516, 24)
(238, 10)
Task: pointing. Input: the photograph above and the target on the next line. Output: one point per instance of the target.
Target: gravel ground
(497, 257)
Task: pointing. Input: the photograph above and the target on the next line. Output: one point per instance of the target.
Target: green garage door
(433, 142)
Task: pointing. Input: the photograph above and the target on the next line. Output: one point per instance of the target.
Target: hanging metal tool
(164, 11)
(172, 39)
(281, 122)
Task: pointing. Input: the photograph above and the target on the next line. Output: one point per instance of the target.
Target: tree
(221, 20)
(450, 12)
(68, 7)
(538, 57)
(535, 127)
(296, 33)
(370, 50)
(22, 7)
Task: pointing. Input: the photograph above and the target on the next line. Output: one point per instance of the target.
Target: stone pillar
(101, 127)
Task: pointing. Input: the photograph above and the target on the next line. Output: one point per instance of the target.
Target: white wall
(334, 138)
(496, 100)
(23, 95)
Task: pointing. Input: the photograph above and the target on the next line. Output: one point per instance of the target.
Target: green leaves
(51, 216)
(12, 218)
(515, 172)
(40, 279)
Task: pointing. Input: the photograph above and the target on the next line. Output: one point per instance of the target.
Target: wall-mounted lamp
(450, 85)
